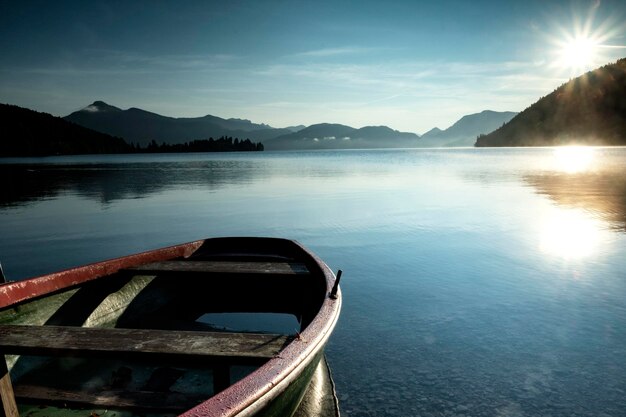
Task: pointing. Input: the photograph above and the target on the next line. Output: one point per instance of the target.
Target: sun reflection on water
(570, 234)
(573, 159)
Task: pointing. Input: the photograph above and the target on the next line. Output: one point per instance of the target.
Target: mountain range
(141, 126)
(587, 110)
(337, 136)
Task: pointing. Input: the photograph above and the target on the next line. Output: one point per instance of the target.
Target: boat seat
(219, 350)
(221, 267)
(140, 343)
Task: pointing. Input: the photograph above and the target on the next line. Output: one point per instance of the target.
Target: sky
(410, 65)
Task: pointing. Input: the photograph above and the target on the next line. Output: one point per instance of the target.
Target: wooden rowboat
(186, 330)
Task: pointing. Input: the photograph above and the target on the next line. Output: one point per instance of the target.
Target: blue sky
(411, 65)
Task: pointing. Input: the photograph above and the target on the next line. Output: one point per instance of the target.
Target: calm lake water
(477, 282)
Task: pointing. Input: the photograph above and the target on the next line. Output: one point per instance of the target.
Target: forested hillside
(29, 133)
(590, 109)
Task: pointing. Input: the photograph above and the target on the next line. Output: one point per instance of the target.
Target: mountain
(26, 132)
(140, 126)
(295, 128)
(466, 129)
(590, 110)
(435, 131)
(337, 136)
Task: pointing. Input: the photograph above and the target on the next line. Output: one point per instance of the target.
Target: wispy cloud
(104, 62)
(406, 77)
(161, 62)
(330, 52)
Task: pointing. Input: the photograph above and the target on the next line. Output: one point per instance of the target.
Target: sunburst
(584, 44)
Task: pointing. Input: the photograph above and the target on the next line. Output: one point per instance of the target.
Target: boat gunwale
(16, 292)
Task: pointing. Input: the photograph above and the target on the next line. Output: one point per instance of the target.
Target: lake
(477, 282)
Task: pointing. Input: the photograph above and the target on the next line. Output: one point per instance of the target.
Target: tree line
(223, 144)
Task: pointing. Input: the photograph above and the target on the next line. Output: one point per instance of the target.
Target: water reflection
(572, 159)
(570, 234)
(589, 191)
(602, 194)
(23, 184)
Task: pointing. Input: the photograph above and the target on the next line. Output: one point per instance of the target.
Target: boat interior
(158, 338)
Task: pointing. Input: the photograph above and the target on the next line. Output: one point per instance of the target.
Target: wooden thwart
(221, 349)
(223, 267)
(115, 342)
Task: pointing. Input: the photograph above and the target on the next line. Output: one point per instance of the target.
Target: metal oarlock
(333, 292)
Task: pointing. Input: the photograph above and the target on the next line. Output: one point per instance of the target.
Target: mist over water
(477, 282)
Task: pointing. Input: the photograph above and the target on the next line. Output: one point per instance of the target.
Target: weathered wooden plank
(116, 342)
(223, 267)
(9, 407)
(144, 400)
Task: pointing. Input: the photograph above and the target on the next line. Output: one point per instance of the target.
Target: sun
(579, 53)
